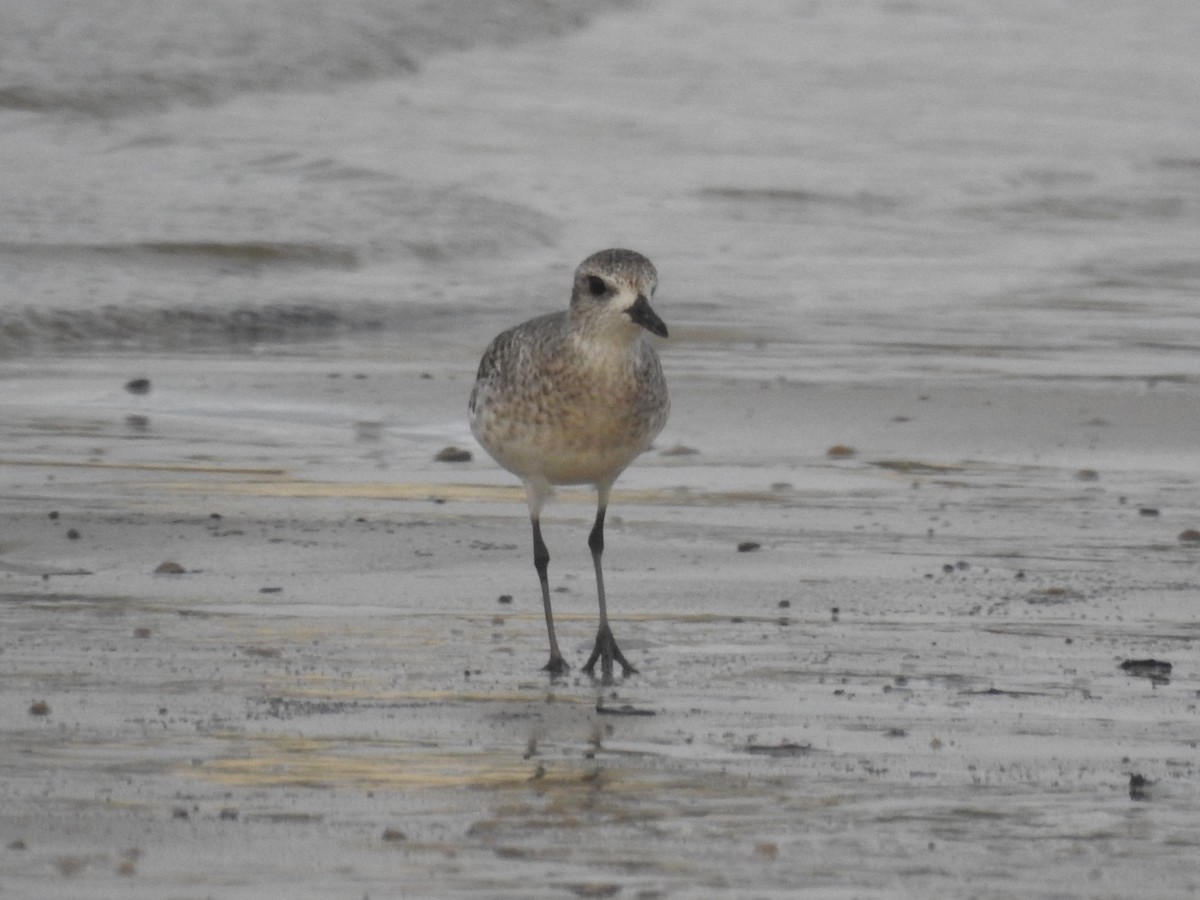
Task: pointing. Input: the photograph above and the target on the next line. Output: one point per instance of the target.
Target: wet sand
(906, 682)
(253, 636)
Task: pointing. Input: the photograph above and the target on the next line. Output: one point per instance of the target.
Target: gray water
(859, 190)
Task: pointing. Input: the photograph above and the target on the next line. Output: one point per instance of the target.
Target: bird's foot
(606, 650)
(557, 665)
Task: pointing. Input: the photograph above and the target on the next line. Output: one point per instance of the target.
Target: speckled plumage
(573, 397)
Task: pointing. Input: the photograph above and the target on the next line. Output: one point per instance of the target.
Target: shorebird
(573, 397)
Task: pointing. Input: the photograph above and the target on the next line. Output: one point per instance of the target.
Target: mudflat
(929, 638)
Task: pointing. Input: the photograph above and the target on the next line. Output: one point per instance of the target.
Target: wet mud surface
(911, 580)
(953, 663)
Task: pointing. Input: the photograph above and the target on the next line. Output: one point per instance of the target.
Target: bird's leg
(606, 649)
(541, 562)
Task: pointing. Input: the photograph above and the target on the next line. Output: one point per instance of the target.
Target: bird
(572, 398)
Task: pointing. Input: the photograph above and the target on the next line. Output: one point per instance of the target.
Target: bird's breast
(573, 418)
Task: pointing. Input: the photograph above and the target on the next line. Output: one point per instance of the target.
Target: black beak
(643, 315)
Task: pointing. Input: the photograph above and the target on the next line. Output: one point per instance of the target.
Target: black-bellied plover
(573, 397)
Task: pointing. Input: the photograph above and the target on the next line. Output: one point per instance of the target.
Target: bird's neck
(607, 341)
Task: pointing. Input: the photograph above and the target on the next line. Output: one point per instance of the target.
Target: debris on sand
(1139, 787)
(784, 748)
(1158, 671)
(623, 710)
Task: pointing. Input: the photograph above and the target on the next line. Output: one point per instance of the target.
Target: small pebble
(72, 534)
(767, 850)
(138, 386)
(748, 546)
(170, 567)
(453, 455)
(39, 708)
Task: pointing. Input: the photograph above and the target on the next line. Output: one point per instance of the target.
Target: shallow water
(871, 189)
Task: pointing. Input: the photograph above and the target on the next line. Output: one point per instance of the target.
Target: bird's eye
(597, 286)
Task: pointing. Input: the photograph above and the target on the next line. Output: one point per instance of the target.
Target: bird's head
(615, 286)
